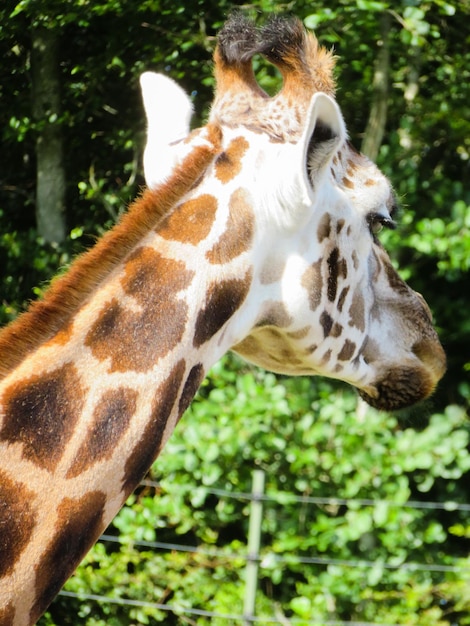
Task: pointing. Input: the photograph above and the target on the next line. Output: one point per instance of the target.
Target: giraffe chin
(400, 389)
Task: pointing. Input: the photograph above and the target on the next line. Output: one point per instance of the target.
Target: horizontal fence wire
(289, 559)
(283, 497)
(203, 613)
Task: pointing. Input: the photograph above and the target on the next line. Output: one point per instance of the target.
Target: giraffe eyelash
(378, 221)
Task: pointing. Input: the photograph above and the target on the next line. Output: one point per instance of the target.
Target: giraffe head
(324, 296)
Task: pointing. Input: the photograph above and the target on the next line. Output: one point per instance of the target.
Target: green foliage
(27, 264)
(449, 240)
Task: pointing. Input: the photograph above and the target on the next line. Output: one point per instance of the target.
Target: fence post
(254, 536)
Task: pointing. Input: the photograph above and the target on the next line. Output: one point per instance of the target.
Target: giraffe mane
(67, 293)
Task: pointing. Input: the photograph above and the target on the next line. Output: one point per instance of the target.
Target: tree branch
(377, 121)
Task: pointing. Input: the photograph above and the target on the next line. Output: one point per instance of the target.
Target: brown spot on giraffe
(136, 340)
(111, 419)
(337, 268)
(332, 280)
(312, 281)
(324, 227)
(357, 311)
(191, 221)
(276, 315)
(7, 615)
(192, 384)
(311, 349)
(17, 521)
(342, 298)
(327, 323)
(222, 301)
(336, 330)
(228, 163)
(41, 413)
(352, 167)
(147, 448)
(79, 522)
(238, 235)
(347, 350)
(355, 259)
(370, 350)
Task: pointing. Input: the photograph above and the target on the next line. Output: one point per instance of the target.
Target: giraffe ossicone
(257, 234)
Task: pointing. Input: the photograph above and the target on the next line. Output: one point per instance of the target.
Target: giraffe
(257, 234)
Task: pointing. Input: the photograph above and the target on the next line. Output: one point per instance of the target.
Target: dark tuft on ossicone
(282, 38)
(238, 39)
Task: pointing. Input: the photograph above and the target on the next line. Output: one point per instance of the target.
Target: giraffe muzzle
(402, 387)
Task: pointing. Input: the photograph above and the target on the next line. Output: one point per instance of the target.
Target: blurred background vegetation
(72, 122)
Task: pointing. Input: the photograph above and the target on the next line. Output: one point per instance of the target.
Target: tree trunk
(50, 172)
(375, 129)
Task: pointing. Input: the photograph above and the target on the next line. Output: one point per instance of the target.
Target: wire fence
(267, 558)
(284, 497)
(230, 617)
(286, 559)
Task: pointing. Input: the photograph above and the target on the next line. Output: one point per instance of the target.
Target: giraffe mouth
(399, 389)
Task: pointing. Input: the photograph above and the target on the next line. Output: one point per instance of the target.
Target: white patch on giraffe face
(281, 175)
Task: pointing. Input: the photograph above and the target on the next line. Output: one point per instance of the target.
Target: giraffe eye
(378, 221)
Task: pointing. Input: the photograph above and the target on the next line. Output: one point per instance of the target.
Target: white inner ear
(168, 110)
(324, 133)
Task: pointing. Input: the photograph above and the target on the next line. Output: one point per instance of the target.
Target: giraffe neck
(84, 416)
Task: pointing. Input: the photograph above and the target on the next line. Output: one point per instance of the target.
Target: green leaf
(301, 606)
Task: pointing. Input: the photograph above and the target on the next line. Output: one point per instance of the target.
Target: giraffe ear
(325, 133)
(168, 110)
